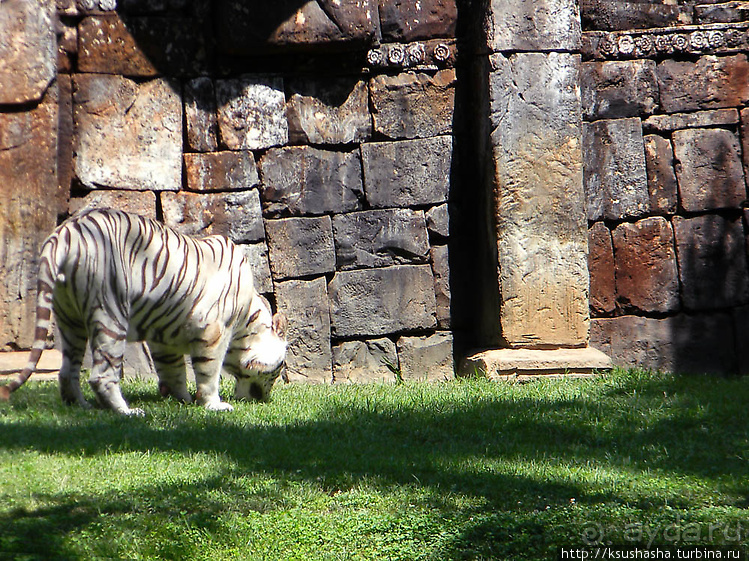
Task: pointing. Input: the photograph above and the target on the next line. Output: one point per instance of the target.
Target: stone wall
(666, 158)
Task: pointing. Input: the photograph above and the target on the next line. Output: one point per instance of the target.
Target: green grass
(462, 470)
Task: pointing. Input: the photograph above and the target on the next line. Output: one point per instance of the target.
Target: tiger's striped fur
(112, 277)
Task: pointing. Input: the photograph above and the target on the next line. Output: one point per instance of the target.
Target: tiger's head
(264, 356)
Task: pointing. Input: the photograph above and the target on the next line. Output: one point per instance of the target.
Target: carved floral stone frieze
(646, 43)
(435, 53)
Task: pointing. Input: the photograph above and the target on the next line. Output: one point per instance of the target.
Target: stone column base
(522, 364)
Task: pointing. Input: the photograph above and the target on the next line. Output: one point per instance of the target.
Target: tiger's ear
(280, 324)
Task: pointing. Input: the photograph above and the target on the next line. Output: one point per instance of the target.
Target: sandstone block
(710, 82)
(305, 303)
(646, 274)
(200, 115)
(364, 361)
(257, 254)
(441, 271)
(252, 112)
(632, 15)
(379, 238)
(369, 302)
(712, 261)
(235, 215)
(221, 171)
(659, 164)
(304, 180)
(407, 172)
(602, 271)
(410, 21)
(438, 221)
(28, 50)
(300, 247)
(709, 169)
(533, 25)
(745, 139)
(137, 202)
(699, 119)
(518, 365)
(413, 104)
(618, 89)
(427, 357)
(616, 184)
(329, 112)
(127, 135)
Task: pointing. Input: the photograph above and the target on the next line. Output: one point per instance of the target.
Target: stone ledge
(12, 363)
(522, 364)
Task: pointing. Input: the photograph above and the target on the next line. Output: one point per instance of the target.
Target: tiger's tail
(45, 287)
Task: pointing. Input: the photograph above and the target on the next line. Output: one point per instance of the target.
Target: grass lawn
(462, 470)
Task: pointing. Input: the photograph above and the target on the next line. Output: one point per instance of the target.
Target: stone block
(252, 112)
(659, 164)
(602, 271)
(615, 89)
(427, 357)
(699, 119)
(533, 25)
(28, 50)
(128, 135)
(633, 14)
(441, 270)
(235, 215)
(616, 182)
(221, 171)
(721, 12)
(67, 45)
(709, 170)
(200, 115)
(438, 221)
(646, 274)
(518, 365)
(379, 238)
(300, 247)
(712, 261)
(413, 104)
(409, 21)
(407, 172)
(257, 254)
(330, 111)
(745, 140)
(305, 303)
(365, 361)
(137, 202)
(305, 180)
(371, 302)
(538, 187)
(710, 82)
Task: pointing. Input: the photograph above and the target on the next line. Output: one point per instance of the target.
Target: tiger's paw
(219, 406)
(135, 412)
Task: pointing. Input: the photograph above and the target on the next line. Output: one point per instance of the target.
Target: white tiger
(112, 277)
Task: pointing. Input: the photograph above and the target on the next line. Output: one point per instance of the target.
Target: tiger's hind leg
(73, 344)
(172, 372)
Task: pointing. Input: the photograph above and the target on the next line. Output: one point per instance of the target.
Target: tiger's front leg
(207, 363)
(172, 372)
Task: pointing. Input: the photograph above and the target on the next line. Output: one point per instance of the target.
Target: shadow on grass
(518, 451)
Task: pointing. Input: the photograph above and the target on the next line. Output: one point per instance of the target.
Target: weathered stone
(646, 274)
(413, 105)
(710, 82)
(538, 186)
(533, 25)
(604, 15)
(127, 135)
(618, 89)
(616, 183)
(378, 238)
(305, 180)
(300, 247)
(328, 111)
(712, 262)
(67, 46)
(601, 268)
(257, 254)
(365, 361)
(441, 271)
(407, 172)
(200, 115)
(438, 221)
(28, 50)
(252, 112)
(65, 133)
(235, 215)
(137, 202)
(286, 26)
(518, 365)
(221, 171)
(659, 163)
(709, 170)
(745, 140)
(305, 303)
(369, 302)
(709, 118)
(427, 357)
(722, 12)
(410, 21)
(30, 202)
